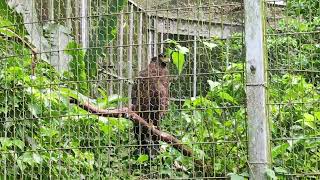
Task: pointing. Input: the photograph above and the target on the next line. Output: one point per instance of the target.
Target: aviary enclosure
(243, 100)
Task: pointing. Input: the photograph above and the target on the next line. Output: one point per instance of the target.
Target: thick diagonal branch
(127, 113)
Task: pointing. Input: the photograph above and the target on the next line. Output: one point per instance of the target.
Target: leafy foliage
(177, 53)
(43, 136)
(77, 72)
(103, 33)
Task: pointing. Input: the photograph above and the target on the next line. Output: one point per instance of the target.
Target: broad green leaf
(20, 144)
(270, 173)
(308, 120)
(105, 127)
(317, 115)
(27, 157)
(308, 117)
(7, 32)
(226, 96)
(21, 165)
(280, 149)
(244, 174)
(169, 52)
(37, 158)
(49, 132)
(178, 60)
(213, 85)
(75, 94)
(5, 142)
(142, 158)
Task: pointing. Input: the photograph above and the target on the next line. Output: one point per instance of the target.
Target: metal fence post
(84, 24)
(258, 129)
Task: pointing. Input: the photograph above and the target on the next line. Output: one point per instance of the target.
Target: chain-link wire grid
(92, 50)
(293, 78)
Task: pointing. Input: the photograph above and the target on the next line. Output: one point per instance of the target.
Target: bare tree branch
(127, 113)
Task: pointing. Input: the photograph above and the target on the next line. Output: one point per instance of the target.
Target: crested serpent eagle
(150, 100)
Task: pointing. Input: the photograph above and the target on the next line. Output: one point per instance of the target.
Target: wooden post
(195, 67)
(69, 14)
(120, 60)
(110, 63)
(150, 39)
(84, 24)
(130, 52)
(51, 9)
(258, 129)
(77, 24)
(140, 42)
(155, 37)
(161, 42)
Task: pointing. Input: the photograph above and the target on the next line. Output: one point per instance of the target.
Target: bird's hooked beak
(164, 58)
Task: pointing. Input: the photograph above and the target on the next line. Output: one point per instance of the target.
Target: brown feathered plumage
(150, 98)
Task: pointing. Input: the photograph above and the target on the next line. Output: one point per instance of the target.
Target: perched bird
(150, 100)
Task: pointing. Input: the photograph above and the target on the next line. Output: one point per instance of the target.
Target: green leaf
(270, 173)
(77, 66)
(7, 32)
(75, 94)
(280, 149)
(308, 120)
(280, 170)
(235, 176)
(20, 144)
(37, 158)
(5, 142)
(213, 85)
(34, 30)
(27, 158)
(170, 41)
(104, 32)
(48, 132)
(11, 17)
(183, 50)
(226, 96)
(178, 60)
(210, 45)
(317, 115)
(168, 52)
(21, 165)
(34, 109)
(142, 158)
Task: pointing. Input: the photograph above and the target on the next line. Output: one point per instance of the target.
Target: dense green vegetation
(43, 136)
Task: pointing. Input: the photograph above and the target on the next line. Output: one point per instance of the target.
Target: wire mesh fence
(293, 77)
(142, 89)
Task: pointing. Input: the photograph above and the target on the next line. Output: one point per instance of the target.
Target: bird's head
(162, 58)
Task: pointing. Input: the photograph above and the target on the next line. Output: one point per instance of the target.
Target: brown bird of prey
(150, 100)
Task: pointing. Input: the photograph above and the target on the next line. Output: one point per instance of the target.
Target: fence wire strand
(55, 51)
